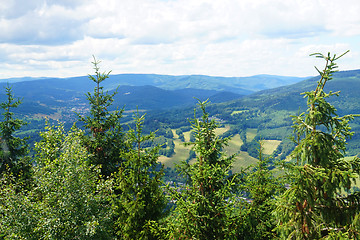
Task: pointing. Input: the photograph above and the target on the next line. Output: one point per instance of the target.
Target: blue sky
(57, 38)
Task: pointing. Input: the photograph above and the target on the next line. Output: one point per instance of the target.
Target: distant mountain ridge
(171, 99)
(239, 85)
(146, 91)
(268, 112)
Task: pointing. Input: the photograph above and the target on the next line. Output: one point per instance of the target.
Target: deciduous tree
(68, 200)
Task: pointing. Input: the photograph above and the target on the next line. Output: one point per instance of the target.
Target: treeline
(102, 180)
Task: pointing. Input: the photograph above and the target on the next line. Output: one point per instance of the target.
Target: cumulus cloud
(41, 24)
(230, 38)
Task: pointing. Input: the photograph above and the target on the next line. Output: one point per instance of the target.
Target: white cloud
(230, 38)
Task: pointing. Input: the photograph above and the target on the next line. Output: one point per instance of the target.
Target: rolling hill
(169, 102)
(268, 112)
(146, 91)
(239, 85)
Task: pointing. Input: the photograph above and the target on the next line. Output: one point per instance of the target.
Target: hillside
(147, 91)
(239, 85)
(269, 111)
(264, 114)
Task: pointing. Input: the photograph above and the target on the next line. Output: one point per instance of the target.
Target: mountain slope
(239, 85)
(268, 113)
(149, 91)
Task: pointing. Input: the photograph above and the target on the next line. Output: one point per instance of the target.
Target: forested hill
(239, 85)
(268, 112)
(290, 98)
(146, 91)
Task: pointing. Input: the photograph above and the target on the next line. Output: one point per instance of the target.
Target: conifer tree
(105, 137)
(317, 203)
(141, 201)
(205, 207)
(262, 187)
(14, 150)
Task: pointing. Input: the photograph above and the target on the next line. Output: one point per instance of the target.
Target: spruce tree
(14, 150)
(317, 203)
(205, 207)
(105, 137)
(141, 201)
(262, 187)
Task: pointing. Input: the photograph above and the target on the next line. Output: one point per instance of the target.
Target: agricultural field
(270, 146)
(251, 134)
(241, 160)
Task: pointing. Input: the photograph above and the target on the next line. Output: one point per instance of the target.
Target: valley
(262, 115)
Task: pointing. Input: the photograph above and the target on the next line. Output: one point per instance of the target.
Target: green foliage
(315, 205)
(105, 138)
(66, 198)
(14, 150)
(68, 201)
(141, 201)
(262, 188)
(205, 207)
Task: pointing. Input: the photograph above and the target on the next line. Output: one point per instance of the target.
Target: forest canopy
(103, 178)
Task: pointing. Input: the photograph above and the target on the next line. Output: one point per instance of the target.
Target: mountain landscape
(258, 107)
(250, 113)
(145, 91)
(239, 85)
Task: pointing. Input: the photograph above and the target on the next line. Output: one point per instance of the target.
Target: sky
(58, 38)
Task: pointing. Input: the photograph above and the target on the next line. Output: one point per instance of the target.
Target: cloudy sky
(57, 38)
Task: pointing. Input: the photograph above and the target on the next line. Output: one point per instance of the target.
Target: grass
(187, 136)
(250, 134)
(238, 112)
(221, 130)
(26, 132)
(242, 160)
(181, 152)
(270, 146)
(55, 116)
(234, 145)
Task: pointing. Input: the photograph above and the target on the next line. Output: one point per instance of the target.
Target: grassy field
(187, 136)
(234, 145)
(242, 159)
(54, 116)
(181, 152)
(238, 112)
(250, 134)
(270, 146)
(220, 131)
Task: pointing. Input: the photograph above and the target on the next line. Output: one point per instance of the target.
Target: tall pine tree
(317, 204)
(205, 207)
(141, 202)
(262, 187)
(14, 150)
(105, 137)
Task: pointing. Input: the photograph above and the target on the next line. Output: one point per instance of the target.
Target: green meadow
(241, 160)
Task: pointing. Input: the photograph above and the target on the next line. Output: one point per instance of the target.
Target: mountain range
(267, 113)
(146, 91)
(262, 103)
